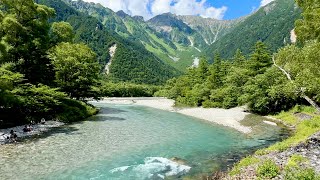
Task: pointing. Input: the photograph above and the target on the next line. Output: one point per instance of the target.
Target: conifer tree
(260, 60)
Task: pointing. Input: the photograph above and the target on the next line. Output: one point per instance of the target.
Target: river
(132, 142)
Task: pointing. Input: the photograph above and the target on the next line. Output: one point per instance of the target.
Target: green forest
(265, 82)
(43, 72)
(53, 57)
(132, 62)
(52, 60)
(269, 24)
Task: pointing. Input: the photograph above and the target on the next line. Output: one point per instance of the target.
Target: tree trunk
(310, 101)
(314, 104)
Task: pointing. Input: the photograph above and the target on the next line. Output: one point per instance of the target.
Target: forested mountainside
(137, 64)
(271, 24)
(135, 29)
(180, 40)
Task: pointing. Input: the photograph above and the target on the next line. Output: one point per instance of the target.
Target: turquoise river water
(127, 142)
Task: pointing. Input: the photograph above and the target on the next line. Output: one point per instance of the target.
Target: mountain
(134, 63)
(135, 29)
(210, 29)
(179, 41)
(191, 30)
(271, 24)
(176, 30)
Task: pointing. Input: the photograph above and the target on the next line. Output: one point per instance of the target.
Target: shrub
(268, 169)
(293, 170)
(250, 160)
(293, 173)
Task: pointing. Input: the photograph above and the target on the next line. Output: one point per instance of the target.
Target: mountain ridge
(135, 65)
(180, 40)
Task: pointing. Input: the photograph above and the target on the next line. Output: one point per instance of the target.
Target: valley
(152, 89)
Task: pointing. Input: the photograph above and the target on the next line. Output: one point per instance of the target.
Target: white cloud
(150, 8)
(265, 2)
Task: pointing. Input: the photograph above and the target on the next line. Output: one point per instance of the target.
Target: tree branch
(284, 71)
(309, 100)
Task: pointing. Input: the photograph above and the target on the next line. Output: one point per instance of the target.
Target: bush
(250, 160)
(293, 173)
(268, 169)
(72, 111)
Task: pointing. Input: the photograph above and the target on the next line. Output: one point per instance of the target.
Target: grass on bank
(243, 163)
(303, 130)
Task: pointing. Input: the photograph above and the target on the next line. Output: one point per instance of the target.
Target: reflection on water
(132, 142)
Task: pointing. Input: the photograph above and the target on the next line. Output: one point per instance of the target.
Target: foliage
(61, 32)
(73, 111)
(77, 70)
(110, 89)
(294, 173)
(268, 93)
(295, 170)
(295, 160)
(134, 66)
(252, 82)
(307, 28)
(37, 101)
(250, 160)
(302, 65)
(268, 169)
(26, 37)
(303, 130)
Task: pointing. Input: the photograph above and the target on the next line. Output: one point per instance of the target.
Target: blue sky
(218, 9)
(236, 8)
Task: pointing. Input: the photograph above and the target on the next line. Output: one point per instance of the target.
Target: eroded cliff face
(293, 36)
(112, 51)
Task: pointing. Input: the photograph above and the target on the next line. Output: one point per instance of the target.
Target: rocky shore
(308, 150)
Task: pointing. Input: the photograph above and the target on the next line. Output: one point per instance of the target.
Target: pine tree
(260, 60)
(216, 73)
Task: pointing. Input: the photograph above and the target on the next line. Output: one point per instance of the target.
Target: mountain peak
(122, 14)
(138, 18)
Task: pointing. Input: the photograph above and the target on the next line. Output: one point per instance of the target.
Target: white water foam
(155, 167)
(120, 169)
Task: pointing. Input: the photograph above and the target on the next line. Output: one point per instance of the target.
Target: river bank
(297, 157)
(226, 117)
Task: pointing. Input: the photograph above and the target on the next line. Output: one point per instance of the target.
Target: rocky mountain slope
(271, 24)
(131, 61)
(179, 41)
